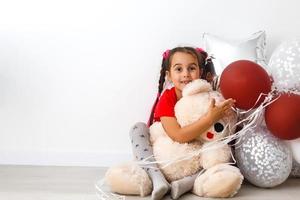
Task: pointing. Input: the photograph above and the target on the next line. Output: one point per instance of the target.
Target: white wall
(75, 75)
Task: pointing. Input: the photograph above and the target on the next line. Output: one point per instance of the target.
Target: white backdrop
(75, 75)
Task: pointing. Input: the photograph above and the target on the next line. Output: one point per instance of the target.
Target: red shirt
(165, 105)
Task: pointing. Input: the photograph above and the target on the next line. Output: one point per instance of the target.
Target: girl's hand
(217, 112)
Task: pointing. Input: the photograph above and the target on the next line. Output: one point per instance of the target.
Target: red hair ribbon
(200, 50)
(166, 54)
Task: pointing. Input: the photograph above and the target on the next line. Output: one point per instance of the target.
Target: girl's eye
(192, 68)
(178, 69)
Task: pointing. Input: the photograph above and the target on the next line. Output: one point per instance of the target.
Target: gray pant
(141, 148)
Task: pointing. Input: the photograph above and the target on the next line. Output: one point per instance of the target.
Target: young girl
(180, 66)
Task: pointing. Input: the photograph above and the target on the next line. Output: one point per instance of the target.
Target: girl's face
(184, 68)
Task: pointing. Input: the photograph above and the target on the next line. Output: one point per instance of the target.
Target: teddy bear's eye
(218, 127)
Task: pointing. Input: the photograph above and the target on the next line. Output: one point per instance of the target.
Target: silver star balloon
(225, 50)
(263, 159)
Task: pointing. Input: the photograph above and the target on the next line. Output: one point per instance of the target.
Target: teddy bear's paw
(219, 181)
(128, 179)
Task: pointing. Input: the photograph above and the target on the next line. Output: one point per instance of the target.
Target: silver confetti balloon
(295, 169)
(284, 66)
(263, 159)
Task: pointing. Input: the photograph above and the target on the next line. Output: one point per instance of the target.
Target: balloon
(226, 50)
(263, 159)
(283, 116)
(295, 170)
(244, 81)
(284, 65)
(295, 147)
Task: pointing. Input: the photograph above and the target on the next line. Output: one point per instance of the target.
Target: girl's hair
(204, 63)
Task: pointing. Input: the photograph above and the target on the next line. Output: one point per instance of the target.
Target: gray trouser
(141, 148)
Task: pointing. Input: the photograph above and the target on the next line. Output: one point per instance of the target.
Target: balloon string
(102, 195)
(248, 123)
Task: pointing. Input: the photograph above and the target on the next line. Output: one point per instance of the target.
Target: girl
(180, 66)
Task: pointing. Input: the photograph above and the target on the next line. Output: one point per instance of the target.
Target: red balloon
(283, 117)
(244, 81)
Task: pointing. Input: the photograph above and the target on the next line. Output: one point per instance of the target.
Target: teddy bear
(219, 179)
(207, 153)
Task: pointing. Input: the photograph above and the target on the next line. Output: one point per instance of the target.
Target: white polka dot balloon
(284, 66)
(264, 160)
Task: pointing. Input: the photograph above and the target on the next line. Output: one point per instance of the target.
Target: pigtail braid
(162, 80)
(161, 83)
(202, 55)
(208, 67)
(213, 79)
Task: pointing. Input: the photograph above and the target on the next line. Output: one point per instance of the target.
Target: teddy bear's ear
(195, 87)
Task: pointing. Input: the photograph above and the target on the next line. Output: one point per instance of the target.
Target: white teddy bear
(219, 178)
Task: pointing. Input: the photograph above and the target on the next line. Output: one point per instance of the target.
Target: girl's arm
(192, 131)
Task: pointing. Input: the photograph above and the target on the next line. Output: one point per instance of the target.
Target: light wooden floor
(77, 183)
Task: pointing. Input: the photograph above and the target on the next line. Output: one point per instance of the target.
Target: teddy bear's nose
(218, 127)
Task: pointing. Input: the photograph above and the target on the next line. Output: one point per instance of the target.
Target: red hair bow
(166, 54)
